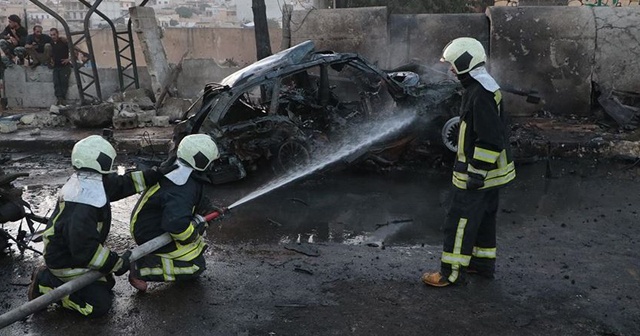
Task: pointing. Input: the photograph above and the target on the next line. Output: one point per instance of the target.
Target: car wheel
(290, 155)
(450, 132)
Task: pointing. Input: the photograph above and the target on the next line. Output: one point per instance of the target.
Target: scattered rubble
(8, 126)
(139, 96)
(90, 116)
(174, 107)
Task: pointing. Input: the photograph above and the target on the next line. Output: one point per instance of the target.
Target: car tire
(450, 132)
(291, 155)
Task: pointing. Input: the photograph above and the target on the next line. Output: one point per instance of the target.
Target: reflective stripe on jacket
(167, 207)
(483, 143)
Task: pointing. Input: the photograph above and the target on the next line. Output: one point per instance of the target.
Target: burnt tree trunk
(263, 43)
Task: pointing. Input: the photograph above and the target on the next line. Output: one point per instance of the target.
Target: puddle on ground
(399, 208)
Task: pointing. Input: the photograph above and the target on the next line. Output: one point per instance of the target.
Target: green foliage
(421, 6)
(184, 12)
(173, 23)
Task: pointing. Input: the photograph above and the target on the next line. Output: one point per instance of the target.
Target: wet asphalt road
(568, 260)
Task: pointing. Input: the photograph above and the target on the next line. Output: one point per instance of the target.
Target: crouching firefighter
(483, 165)
(75, 235)
(172, 206)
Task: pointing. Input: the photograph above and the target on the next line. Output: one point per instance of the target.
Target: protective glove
(200, 224)
(475, 181)
(123, 265)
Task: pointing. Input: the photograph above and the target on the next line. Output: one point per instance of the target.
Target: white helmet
(95, 153)
(464, 54)
(198, 151)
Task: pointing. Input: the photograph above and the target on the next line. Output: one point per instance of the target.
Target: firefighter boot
(137, 283)
(435, 279)
(33, 291)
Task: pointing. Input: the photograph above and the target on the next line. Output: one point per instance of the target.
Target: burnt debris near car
(282, 109)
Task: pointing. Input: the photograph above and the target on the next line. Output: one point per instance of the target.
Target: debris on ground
(303, 249)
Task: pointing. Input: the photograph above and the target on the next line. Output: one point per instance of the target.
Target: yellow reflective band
(140, 205)
(472, 169)
(51, 230)
(485, 155)
(455, 259)
(455, 271)
(462, 132)
(67, 303)
(138, 181)
(497, 96)
(167, 266)
(185, 252)
(457, 246)
(184, 234)
(150, 271)
(68, 272)
(177, 271)
(100, 257)
(494, 177)
(482, 252)
(186, 270)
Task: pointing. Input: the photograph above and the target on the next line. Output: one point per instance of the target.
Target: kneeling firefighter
(172, 206)
(75, 235)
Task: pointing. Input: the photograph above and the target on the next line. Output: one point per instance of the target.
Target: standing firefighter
(172, 206)
(75, 235)
(483, 165)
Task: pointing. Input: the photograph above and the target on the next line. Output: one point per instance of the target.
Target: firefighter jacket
(483, 160)
(75, 235)
(170, 206)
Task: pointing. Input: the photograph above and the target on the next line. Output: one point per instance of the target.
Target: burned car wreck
(279, 110)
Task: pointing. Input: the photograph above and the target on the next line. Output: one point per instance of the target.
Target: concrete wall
(219, 44)
(617, 48)
(422, 37)
(33, 88)
(197, 72)
(549, 49)
(557, 51)
(362, 30)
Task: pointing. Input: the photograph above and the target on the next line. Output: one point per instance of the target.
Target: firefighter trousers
(470, 234)
(94, 300)
(154, 267)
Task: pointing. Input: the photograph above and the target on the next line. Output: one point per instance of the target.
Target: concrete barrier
(549, 49)
(617, 50)
(361, 30)
(423, 37)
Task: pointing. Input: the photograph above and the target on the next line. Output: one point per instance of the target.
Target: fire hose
(58, 293)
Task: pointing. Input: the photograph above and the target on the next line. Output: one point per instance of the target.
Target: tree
(184, 12)
(261, 28)
(173, 23)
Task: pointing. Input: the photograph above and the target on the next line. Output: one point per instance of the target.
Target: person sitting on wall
(12, 40)
(61, 66)
(38, 47)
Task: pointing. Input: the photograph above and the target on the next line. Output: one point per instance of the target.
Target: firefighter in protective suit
(75, 235)
(172, 206)
(483, 165)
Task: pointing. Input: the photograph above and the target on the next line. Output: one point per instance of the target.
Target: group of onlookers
(51, 50)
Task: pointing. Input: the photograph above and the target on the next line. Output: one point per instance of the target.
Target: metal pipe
(87, 37)
(115, 43)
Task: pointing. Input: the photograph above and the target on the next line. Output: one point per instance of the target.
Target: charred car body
(279, 109)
